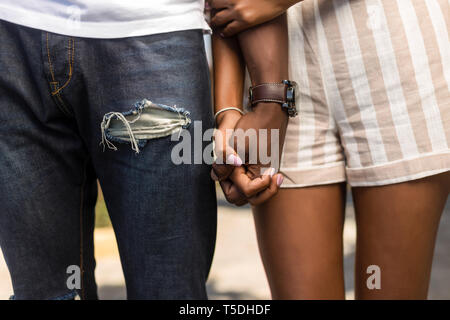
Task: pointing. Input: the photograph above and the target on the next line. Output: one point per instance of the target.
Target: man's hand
(256, 182)
(240, 189)
(268, 117)
(239, 185)
(234, 16)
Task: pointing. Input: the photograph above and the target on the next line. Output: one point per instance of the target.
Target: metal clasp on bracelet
(290, 98)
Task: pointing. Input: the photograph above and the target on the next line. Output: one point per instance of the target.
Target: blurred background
(237, 272)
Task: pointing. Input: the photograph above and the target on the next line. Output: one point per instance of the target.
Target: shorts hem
(313, 176)
(391, 173)
(399, 171)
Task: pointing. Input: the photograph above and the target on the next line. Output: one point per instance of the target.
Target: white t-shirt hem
(104, 30)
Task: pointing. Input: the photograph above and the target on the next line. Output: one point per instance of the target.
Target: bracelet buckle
(289, 105)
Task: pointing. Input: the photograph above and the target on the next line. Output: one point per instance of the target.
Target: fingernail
(280, 179)
(234, 160)
(269, 172)
(222, 35)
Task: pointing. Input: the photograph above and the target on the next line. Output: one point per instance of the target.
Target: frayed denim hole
(139, 107)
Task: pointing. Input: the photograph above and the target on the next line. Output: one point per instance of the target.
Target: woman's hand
(238, 184)
(234, 16)
(227, 158)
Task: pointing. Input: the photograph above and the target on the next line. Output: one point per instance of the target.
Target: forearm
(265, 50)
(229, 73)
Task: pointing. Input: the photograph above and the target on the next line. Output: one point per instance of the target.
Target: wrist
(270, 110)
(227, 119)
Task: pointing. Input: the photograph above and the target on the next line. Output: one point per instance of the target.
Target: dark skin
(396, 227)
(301, 245)
(300, 229)
(239, 15)
(299, 235)
(265, 45)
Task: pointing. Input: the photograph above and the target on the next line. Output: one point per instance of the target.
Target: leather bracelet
(268, 92)
(282, 93)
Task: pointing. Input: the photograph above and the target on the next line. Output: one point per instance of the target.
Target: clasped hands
(243, 181)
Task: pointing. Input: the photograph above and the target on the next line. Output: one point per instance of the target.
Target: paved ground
(237, 272)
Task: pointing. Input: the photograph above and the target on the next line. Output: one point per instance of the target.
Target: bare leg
(397, 227)
(300, 240)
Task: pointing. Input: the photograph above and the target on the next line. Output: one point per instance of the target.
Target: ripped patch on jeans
(146, 121)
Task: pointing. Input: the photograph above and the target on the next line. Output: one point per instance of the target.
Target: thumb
(223, 171)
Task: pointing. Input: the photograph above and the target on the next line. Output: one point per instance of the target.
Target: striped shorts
(373, 92)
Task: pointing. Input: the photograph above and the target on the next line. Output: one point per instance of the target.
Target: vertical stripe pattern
(313, 69)
(335, 100)
(299, 143)
(374, 79)
(421, 64)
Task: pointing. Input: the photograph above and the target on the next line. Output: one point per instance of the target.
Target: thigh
(300, 239)
(163, 212)
(46, 223)
(47, 188)
(396, 230)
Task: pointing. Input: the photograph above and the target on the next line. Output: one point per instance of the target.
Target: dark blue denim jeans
(54, 93)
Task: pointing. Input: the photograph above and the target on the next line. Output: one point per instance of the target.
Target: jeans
(70, 109)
